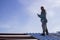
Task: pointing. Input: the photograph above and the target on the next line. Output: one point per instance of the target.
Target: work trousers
(44, 27)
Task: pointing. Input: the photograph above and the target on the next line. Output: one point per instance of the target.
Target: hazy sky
(21, 15)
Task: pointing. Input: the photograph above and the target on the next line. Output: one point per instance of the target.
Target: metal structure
(16, 36)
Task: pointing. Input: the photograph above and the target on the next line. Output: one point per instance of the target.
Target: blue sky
(21, 15)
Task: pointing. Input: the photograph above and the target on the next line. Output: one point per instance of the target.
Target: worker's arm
(39, 15)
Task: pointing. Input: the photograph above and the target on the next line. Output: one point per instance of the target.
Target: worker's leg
(46, 30)
(43, 27)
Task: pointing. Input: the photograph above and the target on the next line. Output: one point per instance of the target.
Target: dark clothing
(44, 21)
(43, 16)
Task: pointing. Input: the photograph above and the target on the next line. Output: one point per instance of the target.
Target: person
(43, 20)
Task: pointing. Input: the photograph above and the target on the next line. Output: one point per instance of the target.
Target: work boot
(43, 34)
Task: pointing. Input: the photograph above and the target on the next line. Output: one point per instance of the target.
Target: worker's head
(42, 8)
